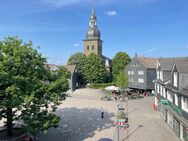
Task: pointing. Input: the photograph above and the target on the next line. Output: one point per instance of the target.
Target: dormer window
(161, 75)
(158, 74)
(175, 79)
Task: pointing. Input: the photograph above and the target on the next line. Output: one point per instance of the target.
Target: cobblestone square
(81, 120)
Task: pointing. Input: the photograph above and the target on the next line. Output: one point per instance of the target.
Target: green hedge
(100, 86)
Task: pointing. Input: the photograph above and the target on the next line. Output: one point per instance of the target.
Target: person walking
(102, 113)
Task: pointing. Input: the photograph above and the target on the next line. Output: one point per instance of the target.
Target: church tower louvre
(93, 43)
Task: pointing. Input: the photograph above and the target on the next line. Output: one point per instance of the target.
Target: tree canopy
(119, 62)
(94, 69)
(29, 91)
(122, 80)
(78, 59)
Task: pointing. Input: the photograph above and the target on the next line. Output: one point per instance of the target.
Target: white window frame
(158, 88)
(140, 80)
(161, 90)
(175, 79)
(176, 99)
(184, 104)
(161, 75)
(140, 72)
(169, 96)
(132, 72)
(158, 74)
(129, 72)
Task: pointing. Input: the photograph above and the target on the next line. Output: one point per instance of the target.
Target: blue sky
(152, 28)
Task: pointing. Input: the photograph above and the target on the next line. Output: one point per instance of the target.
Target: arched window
(88, 47)
(92, 47)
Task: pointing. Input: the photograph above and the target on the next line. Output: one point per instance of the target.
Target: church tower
(93, 43)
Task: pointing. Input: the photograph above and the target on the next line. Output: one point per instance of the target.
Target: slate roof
(182, 65)
(150, 63)
(184, 91)
(70, 68)
(167, 63)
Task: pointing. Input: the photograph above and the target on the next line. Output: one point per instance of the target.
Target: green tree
(78, 59)
(94, 69)
(119, 62)
(29, 91)
(122, 80)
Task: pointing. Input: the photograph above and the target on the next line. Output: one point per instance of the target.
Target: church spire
(93, 9)
(93, 18)
(93, 31)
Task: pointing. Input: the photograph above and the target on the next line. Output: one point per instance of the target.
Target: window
(158, 74)
(161, 90)
(129, 72)
(175, 79)
(155, 86)
(87, 47)
(132, 72)
(158, 88)
(161, 75)
(140, 72)
(140, 80)
(169, 96)
(164, 92)
(92, 47)
(176, 99)
(184, 104)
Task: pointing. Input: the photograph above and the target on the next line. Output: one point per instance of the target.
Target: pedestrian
(102, 113)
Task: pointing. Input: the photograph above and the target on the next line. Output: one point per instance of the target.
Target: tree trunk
(9, 121)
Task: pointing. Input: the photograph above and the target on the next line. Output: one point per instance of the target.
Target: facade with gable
(141, 72)
(171, 94)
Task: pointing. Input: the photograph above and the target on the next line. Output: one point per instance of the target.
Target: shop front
(163, 112)
(177, 127)
(185, 133)
(170, 119)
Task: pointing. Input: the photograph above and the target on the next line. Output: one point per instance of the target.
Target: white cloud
(76, 45)
(61, 2)
(111, 13)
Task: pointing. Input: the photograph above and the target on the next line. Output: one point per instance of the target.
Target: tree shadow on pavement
(105, 139)
(78, 124)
